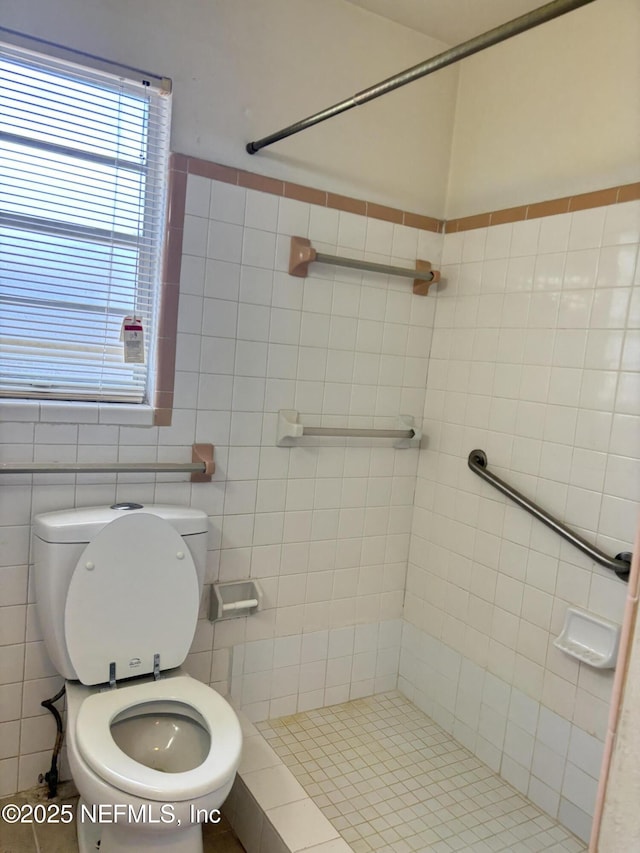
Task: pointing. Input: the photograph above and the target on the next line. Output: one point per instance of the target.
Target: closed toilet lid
(100, 751)
(134, 594)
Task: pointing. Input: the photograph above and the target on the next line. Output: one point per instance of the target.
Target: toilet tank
(61, 537)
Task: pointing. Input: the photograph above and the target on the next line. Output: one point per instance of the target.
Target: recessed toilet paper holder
(233, 599)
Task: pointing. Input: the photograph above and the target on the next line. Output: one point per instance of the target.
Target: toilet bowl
(152, 751)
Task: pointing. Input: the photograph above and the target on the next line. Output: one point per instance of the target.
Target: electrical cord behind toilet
(51, 777)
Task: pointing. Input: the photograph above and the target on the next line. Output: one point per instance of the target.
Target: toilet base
(88, 833)
(123, 838)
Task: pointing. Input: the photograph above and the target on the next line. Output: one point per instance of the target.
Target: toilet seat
(98, 748)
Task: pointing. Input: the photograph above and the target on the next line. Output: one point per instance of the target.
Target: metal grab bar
(454, 54)
(100, 467)
(201, 468)
(302, 253)
(357, 264)
(359, 433)
(288, 429)
(620, 564)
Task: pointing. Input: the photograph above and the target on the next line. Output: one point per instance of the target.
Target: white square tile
(587, 227)
(10, 700)
(301, 825)
(523, 711)
(549, 271)
(194, 239)
(554, 233)
(543, 796)
(198, 195)
(12, 624)
(473, 244)
(248, 394)
(13, 584)
(580, 269)
(323, 224)
(622, 223)
(379, 236)
(9, 739)
(220, 318)
(253, 322)
(261, 210)
(515, 774)
(524, 237)
(598, 389)
(452, 248)
(553, 731)
(351, 230)
(224, 242)
(258, 248)
(616, 266)
(273, 786)
(575, 819)
(257, 755)
(405, 243)
(585, 752)
(256, 285)
(227, 202)
(625, 435)
(628, 394)
(36, 661)
(579, 788)
(610, 308)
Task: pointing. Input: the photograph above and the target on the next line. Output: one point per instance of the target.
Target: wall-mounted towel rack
(620, 564)
(289, 428)
(201, 467)
(302, 254)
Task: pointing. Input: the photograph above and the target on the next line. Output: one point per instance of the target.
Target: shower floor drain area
(389, 778)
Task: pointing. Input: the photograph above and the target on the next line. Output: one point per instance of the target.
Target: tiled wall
(275, 677)
(533, 356)
(535, 359)
(324, 527)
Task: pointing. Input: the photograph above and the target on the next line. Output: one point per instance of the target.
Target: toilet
(153, 752)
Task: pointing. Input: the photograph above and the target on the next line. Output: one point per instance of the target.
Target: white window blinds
(83, 162)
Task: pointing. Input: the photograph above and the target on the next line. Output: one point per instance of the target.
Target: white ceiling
(450, 21)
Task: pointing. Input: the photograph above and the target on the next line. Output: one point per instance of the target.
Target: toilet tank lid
(82, 525)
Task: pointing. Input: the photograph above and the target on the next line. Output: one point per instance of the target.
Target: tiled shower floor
(389, 778)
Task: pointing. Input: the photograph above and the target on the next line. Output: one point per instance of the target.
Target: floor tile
(389, 778)
(16, 836)
(58, 837)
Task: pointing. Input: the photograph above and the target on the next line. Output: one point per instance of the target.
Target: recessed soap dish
(589, 638)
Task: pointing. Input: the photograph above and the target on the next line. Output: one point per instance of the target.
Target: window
(83, 163)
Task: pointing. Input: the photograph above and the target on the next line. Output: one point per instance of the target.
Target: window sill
(62, 412)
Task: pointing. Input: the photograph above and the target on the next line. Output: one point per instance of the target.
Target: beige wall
(552, 112)
(242, 70)
(621, 820)
(620, 826)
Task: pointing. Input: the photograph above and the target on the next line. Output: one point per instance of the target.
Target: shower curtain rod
(454, 54)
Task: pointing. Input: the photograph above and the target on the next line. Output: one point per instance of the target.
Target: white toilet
(153, 752)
